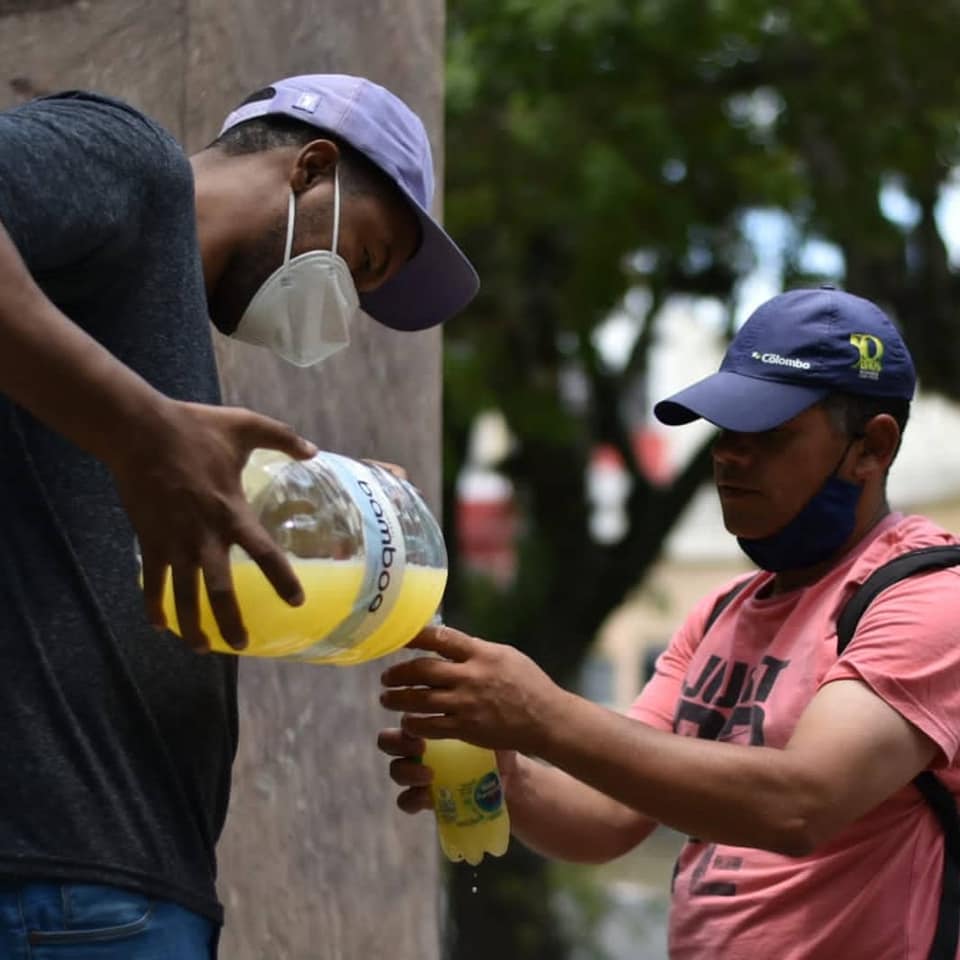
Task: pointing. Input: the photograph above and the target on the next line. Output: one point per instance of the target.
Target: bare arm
(61, 375)
(561, 817)
(177, 465)
(850, 750)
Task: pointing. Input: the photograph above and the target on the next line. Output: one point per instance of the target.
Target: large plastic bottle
(468, 800)
(369, 555)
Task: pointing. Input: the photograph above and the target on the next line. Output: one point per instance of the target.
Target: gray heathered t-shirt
(116, 742)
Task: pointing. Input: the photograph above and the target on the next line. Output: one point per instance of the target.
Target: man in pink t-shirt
(788, 767)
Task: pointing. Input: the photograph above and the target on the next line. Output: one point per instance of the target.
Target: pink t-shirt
(871, 893)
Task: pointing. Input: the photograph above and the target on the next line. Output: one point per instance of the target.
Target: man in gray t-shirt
(115, 249)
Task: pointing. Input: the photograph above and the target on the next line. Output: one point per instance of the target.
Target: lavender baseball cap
(438, 281)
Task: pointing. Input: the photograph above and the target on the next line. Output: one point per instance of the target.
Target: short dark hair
(358, 174)
(851, 412)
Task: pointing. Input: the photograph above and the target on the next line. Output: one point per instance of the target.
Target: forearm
(52, 368)
(562, 818)
(721, 792)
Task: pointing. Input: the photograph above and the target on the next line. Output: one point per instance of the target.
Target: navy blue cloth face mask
(821, 527)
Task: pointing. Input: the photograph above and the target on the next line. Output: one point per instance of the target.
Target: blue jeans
(82, 921)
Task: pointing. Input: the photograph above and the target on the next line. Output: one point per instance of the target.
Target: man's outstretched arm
(849, 752)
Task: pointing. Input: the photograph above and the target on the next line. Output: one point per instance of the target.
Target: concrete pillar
(316, 864)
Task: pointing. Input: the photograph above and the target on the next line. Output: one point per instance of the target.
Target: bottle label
(488, 794)
(445, 805)
(385, 556)
(470, 803)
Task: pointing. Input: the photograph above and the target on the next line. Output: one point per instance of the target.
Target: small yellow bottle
(472, 817)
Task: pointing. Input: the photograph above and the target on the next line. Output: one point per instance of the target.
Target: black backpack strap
(916, 561)
(944, 807)
(723, 601)
(938, 797)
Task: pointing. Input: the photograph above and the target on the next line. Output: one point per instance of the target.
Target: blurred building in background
(486, 508)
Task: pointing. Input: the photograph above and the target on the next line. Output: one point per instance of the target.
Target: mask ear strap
(336, 207)
(843, 456)
(291, 213)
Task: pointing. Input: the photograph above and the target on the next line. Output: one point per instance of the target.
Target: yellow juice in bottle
(420, 592)
(472, 816)
(273, 626)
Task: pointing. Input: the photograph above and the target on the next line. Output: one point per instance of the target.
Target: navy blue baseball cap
(794, 350)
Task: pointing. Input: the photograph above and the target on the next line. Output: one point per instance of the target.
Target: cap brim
(435, 284)
(735, 402)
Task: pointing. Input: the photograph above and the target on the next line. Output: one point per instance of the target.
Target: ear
(878, 446)
(315, 164)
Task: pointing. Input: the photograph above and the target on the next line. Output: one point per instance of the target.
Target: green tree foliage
(581, 132)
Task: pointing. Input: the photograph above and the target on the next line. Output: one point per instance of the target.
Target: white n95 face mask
(303, 310)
